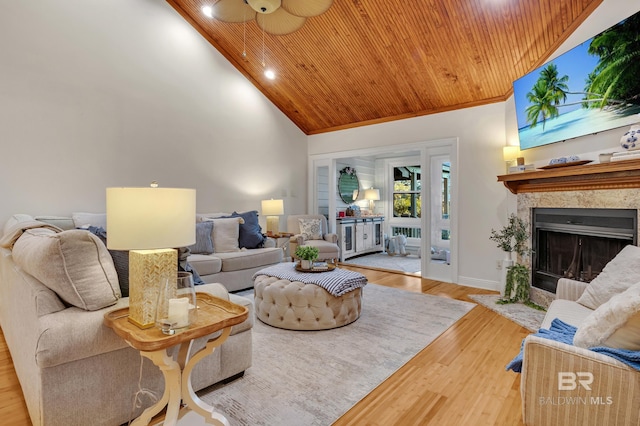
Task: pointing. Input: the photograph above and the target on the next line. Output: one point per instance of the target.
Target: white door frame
(427, 149)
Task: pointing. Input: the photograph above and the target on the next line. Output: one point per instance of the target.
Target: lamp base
(273, 222)
(147, 269)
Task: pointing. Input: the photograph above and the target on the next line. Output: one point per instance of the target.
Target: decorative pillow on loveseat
(75, 264)
(618, 275)
(250, 236)
(310, 229)
(204, 241)
(226, 232)
(615, 324)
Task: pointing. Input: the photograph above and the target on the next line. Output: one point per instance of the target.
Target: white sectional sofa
(73, 370)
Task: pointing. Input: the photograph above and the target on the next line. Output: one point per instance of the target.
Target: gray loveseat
(72, 369)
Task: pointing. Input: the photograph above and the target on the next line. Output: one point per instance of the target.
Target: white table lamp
(372, 195)
(273, 209)
(151, 223)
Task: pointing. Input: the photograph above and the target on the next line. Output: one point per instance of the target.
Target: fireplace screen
(578, 243)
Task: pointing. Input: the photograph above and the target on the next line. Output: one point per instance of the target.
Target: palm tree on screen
(615, 78)
(546, 95)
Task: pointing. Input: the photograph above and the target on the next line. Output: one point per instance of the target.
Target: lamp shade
(272, 207)
(510, 152)
(372, 194)
(150, 218)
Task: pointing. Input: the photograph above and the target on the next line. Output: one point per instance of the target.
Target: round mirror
(348, 185)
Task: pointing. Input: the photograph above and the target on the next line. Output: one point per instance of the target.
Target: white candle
(179, 312)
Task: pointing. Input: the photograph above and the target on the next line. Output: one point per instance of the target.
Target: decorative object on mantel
(565, 164)
(629, 140)
(514, 282)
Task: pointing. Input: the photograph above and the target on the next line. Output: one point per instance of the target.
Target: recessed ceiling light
(270, 74)
(208, 11)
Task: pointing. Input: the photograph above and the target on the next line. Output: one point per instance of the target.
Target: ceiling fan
(278, 17)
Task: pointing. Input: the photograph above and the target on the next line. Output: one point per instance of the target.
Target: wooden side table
(214, 314)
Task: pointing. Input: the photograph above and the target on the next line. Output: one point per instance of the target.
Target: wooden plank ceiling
(370, 61)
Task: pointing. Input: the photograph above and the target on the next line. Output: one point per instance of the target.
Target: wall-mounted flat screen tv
(591, 88)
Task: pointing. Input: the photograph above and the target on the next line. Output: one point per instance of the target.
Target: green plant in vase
(307, 255)
(513, 238)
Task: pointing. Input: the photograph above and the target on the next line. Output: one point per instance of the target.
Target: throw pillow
(120, 260)
(310, 229)
(250, 231)
(225, 234)
(74, 263)
(204, 243)
(615, 324)
(619, 274)
(84, 220)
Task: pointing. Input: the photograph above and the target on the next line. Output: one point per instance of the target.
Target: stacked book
(523, 168)
(320, 266)
(625, 155)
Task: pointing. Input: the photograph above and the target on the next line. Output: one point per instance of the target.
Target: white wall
(122, 92)
(482, 201)
(483, 131)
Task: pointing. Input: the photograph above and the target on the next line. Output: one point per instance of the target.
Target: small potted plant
(307, 255)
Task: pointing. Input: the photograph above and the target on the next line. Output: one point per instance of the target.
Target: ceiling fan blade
(233, 11)
(280, 22)
(306, 8)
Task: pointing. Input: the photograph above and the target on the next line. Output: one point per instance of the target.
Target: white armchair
(327, 243)
(599, 391)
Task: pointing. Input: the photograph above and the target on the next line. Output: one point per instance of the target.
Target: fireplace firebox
(577, 243)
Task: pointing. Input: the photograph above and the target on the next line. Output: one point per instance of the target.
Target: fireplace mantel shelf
(613, 175)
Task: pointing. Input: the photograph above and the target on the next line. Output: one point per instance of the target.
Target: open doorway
(417, 186)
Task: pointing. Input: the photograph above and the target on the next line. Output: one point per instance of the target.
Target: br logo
(570, 381)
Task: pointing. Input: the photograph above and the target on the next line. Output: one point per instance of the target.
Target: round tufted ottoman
(297, 306)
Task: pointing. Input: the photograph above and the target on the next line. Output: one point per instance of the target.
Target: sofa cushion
(205, 264)
(566, 310)
(75, 264)
(615, 324)
(618, 275)
(226, 232)
(250, 231)
(204, 241)
(74, 334)
(247, 259)
(310, 229)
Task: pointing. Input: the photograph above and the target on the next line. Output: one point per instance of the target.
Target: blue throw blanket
(560, 331)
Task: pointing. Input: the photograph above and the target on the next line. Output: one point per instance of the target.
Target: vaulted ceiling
(371, 61)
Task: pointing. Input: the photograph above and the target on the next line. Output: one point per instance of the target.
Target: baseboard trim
(478, 283)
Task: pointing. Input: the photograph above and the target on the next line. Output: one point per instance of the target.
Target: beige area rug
(409, 263)
(523, 315)
(302, 378)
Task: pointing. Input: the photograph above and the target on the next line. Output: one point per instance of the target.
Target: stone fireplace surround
(605, 198)
(600, 185)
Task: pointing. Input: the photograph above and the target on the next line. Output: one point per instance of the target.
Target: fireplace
(577, 242)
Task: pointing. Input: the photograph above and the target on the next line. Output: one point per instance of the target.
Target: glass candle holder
(176, 308)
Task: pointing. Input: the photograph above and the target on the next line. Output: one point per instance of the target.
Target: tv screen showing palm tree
(591, 88)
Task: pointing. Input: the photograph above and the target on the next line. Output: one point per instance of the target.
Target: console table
(360, 235)
(214, 314)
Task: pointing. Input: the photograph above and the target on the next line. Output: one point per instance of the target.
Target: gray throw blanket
(336, 282)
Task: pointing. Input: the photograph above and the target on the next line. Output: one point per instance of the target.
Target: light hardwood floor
(459, 379)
